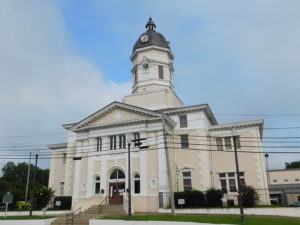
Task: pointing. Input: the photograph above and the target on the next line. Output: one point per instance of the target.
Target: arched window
(117, 174)
(97, 185)
(137, 183)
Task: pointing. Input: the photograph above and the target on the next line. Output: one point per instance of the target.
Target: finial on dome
(150, 24)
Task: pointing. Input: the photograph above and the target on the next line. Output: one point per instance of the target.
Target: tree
(42, 196)
(214, 197)
(295, 164)
(14, 180)
(249, 196)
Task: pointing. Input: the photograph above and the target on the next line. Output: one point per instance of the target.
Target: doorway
(116, 192)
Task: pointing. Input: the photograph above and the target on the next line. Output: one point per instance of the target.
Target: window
(184, 141)
(99, 144)
(183, 121)
(113, 142)
(187, 180)
(64, 158)
(297, 179)
(136, 136)
(226, 143)
(229, 181)
(274, 181)
(97, 185)
(219, 144)
(62, 188)
(135, 77)
(160, 72)
(122, 141)
(286, 180)
(298, 198)
(137, 184)
(117, 174)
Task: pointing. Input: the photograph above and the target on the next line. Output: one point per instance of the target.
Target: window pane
(231, 174)
(242, 181)
(187, 182)
(221, 174)
(97, 188)
(183, 121)
(232, 186)
(114, 175)
(161, 72)
(184, 141)
(186, 174)
(224, 186)
(238, 142)
(228, 143)
(137, 187)
(219, 144)
(121, 175)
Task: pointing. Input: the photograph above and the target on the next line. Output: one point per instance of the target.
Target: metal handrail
(102, 203)
(73, 215)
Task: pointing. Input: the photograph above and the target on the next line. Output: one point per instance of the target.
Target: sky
(62, 60)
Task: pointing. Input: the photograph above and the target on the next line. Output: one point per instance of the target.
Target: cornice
(149, 48)
(251, 123)
(57, 146)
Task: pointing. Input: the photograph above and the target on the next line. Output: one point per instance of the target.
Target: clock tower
(152, 72)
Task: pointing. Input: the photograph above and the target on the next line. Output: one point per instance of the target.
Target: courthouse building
(200, 152)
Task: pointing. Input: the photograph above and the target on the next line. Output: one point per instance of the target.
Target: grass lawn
(249, 220)
(26, 217)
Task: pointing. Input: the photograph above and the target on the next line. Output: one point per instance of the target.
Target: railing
(73, 215)
(103, 202)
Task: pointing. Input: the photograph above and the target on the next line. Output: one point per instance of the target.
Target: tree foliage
(295, 164)
(250, 196)
(42, 196)
(14, 180)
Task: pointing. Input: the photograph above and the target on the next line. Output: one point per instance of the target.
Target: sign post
(7, 199)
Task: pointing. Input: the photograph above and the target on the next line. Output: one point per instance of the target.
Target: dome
(151, 37)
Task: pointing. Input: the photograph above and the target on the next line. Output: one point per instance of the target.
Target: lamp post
(129, 182)
(242, 216)
(34, 183)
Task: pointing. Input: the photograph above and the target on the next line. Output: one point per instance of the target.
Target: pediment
(116, 113)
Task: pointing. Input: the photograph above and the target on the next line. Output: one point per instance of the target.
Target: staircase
(95, 211)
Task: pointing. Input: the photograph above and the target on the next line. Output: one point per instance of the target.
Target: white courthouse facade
(200, 151)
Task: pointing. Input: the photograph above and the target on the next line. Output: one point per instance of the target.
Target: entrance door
(116, 191)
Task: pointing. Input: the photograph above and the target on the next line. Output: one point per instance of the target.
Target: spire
(150, 24)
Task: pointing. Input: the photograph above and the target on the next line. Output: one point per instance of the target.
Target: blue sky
(61, 60)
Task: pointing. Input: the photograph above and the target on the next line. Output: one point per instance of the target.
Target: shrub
(192, 198)
(249, 196)
(65, 202)
(42, 196)
(214, 197)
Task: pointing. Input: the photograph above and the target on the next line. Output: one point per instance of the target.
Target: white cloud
(44, 82)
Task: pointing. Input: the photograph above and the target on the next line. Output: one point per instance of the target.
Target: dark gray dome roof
(154, 38)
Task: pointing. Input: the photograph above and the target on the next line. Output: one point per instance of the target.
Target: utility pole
(242, 216)
(129, 182)
(28, 175)
(168, 167)
(34, 184)
(267, 167)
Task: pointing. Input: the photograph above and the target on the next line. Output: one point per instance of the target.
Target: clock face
(146, 66)
(144, 38)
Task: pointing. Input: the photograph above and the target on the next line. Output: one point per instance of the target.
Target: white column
(77, 173)
(162, 164)
(103, 178)
(143, 172)
(90, 164)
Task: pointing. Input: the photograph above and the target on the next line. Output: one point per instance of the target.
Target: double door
(116, 192)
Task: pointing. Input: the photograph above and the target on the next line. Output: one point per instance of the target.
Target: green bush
(65, 202)
(42, 196)
(192, 199)
(214, 197)
(249, 196)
